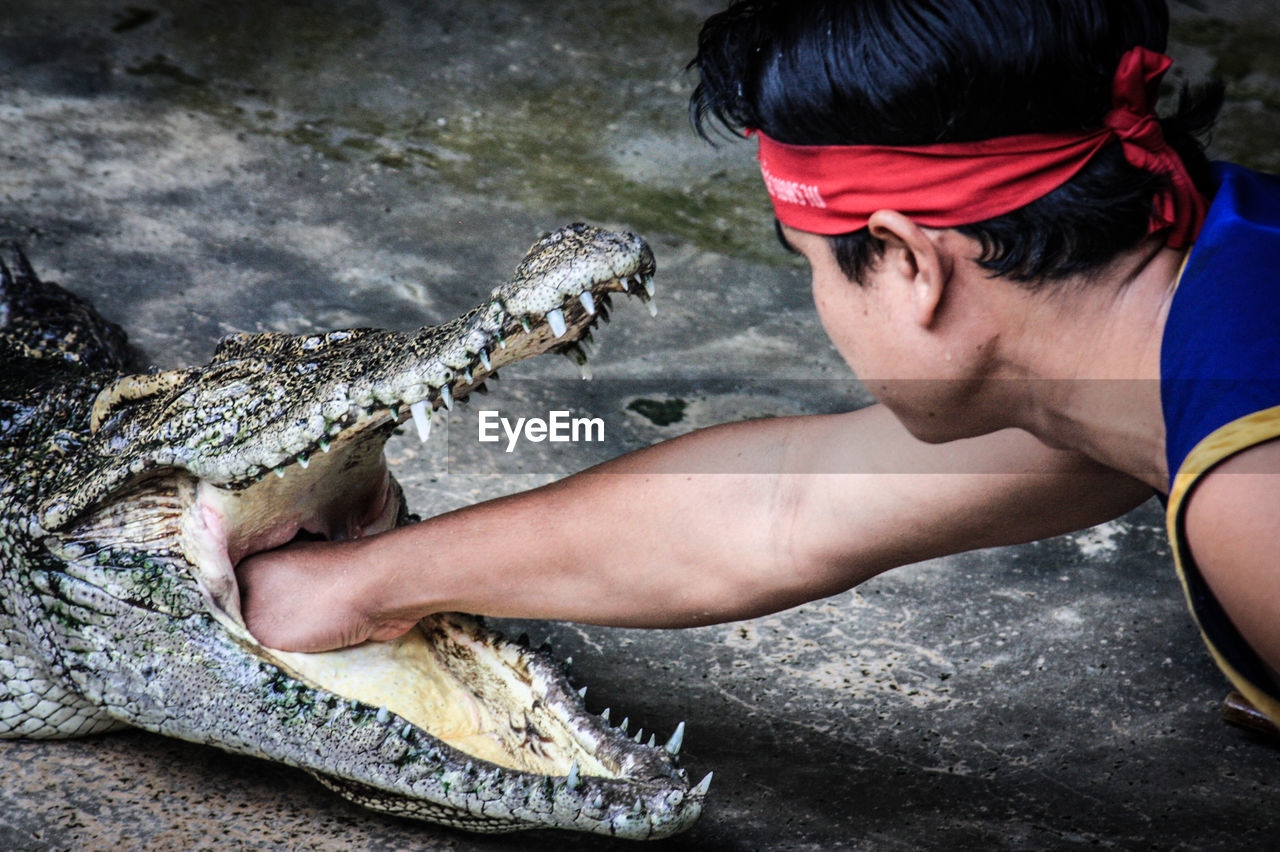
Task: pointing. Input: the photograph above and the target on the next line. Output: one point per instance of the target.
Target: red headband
(834, 189)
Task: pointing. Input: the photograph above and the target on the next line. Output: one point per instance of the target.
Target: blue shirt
(1220, 356)
(1220, 384)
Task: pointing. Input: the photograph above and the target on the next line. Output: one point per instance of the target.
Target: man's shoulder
(1237, 496)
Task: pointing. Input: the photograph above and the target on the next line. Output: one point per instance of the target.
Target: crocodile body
(127, 499)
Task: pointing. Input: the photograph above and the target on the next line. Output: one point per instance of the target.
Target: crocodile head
(177, 476)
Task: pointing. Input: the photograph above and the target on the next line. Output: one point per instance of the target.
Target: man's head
(911, 73)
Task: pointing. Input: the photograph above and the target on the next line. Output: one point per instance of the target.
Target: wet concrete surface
(199, 168)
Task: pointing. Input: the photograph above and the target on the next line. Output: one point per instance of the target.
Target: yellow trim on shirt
(1215, 448)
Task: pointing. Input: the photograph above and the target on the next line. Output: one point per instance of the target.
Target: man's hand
(310, 596)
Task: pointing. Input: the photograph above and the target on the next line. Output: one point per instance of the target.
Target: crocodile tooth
(653, 308)
(568, 661)
(280, 472)
(395, 410)
(524, 323)
(677, 739)
(605, 714)
(574, 780)
(383, 715)
(555, 316)
(447, 396)
(653, 740)
(588, 301)
(639, 737)
(324, 446)
(484, 359)
(625, 723)
(626, 285)
(421, 419)
(638, 807)
(582, 693)
(703, 786)
(648, 284)
(598, 802)
(466, 375)
(304, 460)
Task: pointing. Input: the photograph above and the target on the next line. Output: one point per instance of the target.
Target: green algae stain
(320, 137)
(660, 412)
(554, 151)
(551, 150)
(546, 137)
(323, 75)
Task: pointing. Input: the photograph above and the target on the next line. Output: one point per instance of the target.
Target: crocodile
(127, 499)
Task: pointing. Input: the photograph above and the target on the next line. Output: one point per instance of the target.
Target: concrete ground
(201, 167)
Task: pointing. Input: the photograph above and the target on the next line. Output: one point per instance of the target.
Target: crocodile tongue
(480, 697)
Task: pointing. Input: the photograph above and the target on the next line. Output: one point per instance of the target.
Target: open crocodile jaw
(509, 713)
(449, 723)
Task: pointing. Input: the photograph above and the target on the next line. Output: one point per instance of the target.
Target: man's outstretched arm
(724, 523)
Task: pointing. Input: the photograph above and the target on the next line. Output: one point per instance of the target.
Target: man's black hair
(916, 72)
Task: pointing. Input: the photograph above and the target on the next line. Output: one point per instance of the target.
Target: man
(1020, 262)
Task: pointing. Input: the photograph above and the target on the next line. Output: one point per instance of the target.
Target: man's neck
(1086, 364)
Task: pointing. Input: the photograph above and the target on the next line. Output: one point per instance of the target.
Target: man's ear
(919, 262)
